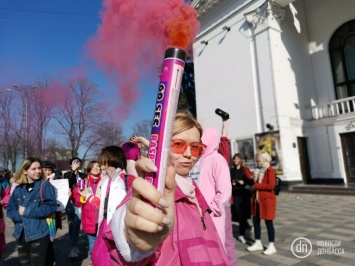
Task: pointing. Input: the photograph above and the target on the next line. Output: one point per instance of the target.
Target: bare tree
(142, 128)
(24, 127)
(11, 133)
(41, 115)
(6, 98)
(57, 153)
(109, 134)
(80, 116)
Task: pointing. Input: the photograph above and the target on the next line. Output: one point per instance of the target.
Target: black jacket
(240, 190)
(72, 178)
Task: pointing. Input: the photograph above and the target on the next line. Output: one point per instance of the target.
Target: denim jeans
(74, 219)
(92, 239)
(257, 228)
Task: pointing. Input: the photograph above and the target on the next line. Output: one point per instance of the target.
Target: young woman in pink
(4, 199)
(90, 214)
(182, 233)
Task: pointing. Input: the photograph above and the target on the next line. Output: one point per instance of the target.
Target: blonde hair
(20, 177)
(265, 156)
(185, 121)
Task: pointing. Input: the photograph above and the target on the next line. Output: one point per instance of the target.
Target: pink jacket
(213, 178)
(89, 216)
(193, 240)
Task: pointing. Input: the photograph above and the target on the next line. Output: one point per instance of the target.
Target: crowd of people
(128, 221)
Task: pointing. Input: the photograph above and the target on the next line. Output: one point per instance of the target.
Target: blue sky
(40, 37)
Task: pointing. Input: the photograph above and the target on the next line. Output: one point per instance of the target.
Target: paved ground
(327, 222)
(61, 246)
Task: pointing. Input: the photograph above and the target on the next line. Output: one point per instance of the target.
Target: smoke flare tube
(164, 114)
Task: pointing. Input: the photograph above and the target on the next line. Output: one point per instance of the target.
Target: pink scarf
(186, 186)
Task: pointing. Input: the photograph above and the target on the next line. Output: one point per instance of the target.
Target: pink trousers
(230, 244)
(100, 255)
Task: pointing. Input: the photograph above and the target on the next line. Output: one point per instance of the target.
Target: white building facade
(285, 72)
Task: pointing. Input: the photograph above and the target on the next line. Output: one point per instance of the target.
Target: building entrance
(304, 159)
(348, 148)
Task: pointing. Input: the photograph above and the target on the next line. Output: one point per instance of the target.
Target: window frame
(337, 45)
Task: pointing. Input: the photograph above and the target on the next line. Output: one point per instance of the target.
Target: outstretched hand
(140, 139)
(148, 226)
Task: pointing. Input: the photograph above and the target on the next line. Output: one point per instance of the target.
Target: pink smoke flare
(133, 37)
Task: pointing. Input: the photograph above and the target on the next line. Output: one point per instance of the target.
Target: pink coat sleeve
(5, 195)
(76, 197)
(223, 186)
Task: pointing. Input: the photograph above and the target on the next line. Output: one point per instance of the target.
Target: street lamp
(26, 118)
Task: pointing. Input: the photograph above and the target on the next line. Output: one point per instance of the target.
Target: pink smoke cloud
(55, 90)
(133, 37)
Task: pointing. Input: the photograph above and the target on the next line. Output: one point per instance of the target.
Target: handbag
(51, 219)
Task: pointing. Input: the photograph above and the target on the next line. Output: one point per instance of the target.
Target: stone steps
(341, 190)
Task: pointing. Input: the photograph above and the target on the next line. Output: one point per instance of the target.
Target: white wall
(224, 77)
(293, 83)
(325, 147)
(288, 69)
(322, 20)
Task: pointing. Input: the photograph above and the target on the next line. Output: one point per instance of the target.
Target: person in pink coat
(212, 175)
(4, 199)
(90, 214)
(182, 233)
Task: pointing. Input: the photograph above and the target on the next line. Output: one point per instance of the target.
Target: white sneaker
(256, 246)
(270, 249)
(242, 239)
(73, 253)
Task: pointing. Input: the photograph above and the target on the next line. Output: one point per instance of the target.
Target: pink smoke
(133, 37)
(55, 90)
(55, 94)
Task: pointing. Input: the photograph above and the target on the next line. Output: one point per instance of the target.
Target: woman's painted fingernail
(151, 166)
(162, 202)
(160, 228)
(166, 221)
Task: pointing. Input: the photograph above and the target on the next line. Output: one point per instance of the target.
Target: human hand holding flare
(148, 225)
(180, 32)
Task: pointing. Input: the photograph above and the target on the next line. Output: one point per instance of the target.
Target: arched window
(342, 57)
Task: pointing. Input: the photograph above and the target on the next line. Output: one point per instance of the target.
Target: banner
(270, 142)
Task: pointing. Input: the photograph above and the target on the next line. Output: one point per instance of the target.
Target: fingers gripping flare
(142, 216)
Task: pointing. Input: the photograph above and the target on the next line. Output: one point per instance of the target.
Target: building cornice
(268, 15)
(204, 7)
